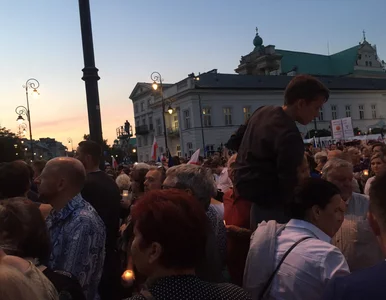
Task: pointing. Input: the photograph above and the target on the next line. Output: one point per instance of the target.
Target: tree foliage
(10, 146)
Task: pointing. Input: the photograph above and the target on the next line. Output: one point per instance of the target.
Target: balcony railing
(141, 130)
(173, 132)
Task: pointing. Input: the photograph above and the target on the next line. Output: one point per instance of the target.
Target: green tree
(10, 146)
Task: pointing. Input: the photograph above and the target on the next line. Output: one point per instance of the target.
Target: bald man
(77, 232)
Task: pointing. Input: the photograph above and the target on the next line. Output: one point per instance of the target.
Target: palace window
(207, 118)
(361, 112)
(374, 111)
(348, 111)
(247, 113)
(187, 119)
(334, 112)
(228, 116)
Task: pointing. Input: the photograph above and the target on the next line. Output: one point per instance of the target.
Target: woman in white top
(378, 163)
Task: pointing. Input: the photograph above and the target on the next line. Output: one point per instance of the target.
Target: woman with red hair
(169, 242)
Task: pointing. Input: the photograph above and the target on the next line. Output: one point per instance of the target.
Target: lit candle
(366, 172)
(125, 194)
(128, 277)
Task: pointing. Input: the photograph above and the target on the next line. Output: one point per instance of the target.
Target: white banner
(324, 142)
(348, 131)
(337, 129)
(342, 128)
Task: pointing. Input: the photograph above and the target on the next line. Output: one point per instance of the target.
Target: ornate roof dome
(257, 41)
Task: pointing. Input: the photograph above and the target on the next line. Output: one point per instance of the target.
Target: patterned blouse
(218, 227)
(78, 243)
(184, 287)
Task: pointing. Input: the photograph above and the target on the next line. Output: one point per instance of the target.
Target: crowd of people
(268, 218)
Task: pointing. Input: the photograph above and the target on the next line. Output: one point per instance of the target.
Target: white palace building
(207, 109)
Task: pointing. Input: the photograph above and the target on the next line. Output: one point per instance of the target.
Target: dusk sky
(133, 38)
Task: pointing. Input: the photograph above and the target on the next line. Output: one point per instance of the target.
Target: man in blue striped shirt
(77, 232)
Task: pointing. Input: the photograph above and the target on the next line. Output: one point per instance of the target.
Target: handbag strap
(267, 285)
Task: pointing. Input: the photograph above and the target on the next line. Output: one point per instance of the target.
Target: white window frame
(334, 112)
(348, 111)
(178, 150)
(187, 120)
(374, 111)
(361, 109)
(247, 112)
(321, 114)
(207, 116)
(189, 145)
(176, 123)
(227, 116)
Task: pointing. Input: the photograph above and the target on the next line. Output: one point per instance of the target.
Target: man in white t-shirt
(221, 177)
(317, 213)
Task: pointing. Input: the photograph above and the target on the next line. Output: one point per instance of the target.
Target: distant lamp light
(25, 149)
(116, 155)
(17, 153)
(35, 93)
(41, 156)
(134, 150)
(34, 153)
(22, 142)
(170, 110)
(15, 145)
(154, 85)
(20, 119)
(197, 78)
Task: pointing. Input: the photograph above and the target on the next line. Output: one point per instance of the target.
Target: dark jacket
(367, 284)
(270, 152)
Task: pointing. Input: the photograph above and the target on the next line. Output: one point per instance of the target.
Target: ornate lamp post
(157, 81)
(33, 84)
(69, 140)
(22, 129)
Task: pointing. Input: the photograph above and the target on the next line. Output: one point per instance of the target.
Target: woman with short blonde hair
(377, 163)
(15, 285)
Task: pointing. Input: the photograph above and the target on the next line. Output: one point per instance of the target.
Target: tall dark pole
(202, 125)
(163, 119)
(90, 74)
(155, 76)
(316, 127)
(29, 123)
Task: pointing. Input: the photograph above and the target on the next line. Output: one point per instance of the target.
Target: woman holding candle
(169, 243)
(377, 163)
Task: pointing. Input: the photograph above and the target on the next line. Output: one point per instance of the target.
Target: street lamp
(134, 150)
(22, 129)
(157, 78)
(22, 110)
(69, 140)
